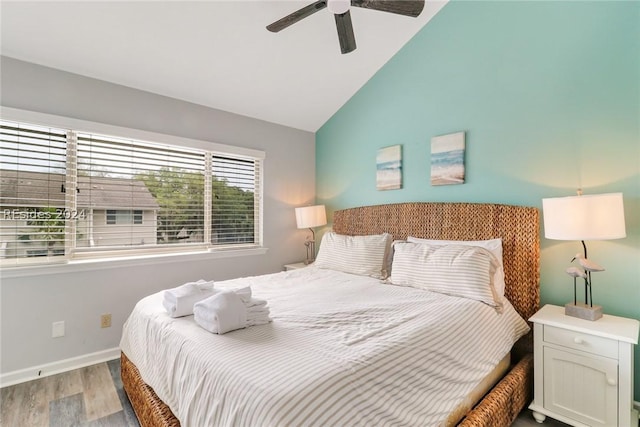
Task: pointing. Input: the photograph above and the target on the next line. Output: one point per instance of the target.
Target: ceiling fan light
(338, 7)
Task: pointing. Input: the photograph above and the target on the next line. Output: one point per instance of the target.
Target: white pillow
(493, 245)
(460, 270)
(363, 255)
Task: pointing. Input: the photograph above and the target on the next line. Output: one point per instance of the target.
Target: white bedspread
(342, 350)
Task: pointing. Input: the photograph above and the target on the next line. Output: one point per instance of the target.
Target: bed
(518, 228)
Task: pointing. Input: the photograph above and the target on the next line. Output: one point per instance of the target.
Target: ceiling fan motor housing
(338, 7)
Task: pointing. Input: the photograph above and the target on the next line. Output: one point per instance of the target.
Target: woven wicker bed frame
(519, 229)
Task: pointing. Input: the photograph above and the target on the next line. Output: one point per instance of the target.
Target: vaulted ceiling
(213, 53)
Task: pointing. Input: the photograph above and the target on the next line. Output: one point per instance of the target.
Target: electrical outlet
(105, 320)
(57, 329)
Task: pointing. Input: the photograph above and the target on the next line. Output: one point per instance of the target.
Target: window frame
(111, 216)
(138, 255)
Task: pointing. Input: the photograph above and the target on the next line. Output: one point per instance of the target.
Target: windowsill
(74, 266)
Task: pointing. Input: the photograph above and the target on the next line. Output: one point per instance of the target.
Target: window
(165, 184)
(233, 218)
(33, 171)
(123, 217)
(71, 194)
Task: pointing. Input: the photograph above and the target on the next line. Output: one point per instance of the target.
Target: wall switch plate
(57, 329)
(105, 320)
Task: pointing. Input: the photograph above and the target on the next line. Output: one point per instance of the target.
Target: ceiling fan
(340, 10)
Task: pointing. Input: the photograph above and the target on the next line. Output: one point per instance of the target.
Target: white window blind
(32, 191)
(140, 194)
(235, 200)
(114, 196)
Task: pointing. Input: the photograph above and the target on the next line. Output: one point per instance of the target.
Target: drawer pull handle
(611, 381)
(578, 340)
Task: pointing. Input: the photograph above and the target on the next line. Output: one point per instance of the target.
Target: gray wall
(29, 304)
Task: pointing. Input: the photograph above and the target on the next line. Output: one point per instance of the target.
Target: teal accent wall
(548, 94)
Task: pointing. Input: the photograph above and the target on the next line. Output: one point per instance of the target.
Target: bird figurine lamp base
(583, 311)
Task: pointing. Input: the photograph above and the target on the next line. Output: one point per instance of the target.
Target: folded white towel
(230, 310)
(259, 321)
(264, 314)
(255, 304)
(252, 314)
(179, 301)
(243, 293)
(221, 313)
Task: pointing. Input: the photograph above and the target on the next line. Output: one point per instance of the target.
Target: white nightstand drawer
(582, 342)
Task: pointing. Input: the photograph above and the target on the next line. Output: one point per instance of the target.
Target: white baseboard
(41, 371)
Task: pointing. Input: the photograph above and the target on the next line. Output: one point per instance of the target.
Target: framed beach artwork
(447, 159)
(389, 168)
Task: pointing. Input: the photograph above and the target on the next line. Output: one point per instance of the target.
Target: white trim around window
(94, 264)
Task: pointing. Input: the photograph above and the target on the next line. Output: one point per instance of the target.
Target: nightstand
(583, 370)
(295, 266)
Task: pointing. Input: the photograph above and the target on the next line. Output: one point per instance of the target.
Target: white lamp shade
(590, 217)
(311, 216)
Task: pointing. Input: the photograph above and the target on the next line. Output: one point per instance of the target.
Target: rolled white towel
(230, 310)
(179, 301)
(223, 312)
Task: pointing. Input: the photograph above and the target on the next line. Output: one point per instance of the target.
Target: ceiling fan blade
(402, 7)
(345, 32)
(296, 16)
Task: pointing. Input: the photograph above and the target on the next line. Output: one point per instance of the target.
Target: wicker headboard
(518, 227)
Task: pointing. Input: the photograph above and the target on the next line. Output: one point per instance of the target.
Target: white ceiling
(213, 53)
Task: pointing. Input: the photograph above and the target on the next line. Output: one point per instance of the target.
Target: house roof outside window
(20, 188)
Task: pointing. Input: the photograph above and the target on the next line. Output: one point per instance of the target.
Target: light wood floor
(93, 397)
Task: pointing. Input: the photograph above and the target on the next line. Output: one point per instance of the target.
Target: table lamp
(589, 217)
(309, 217)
